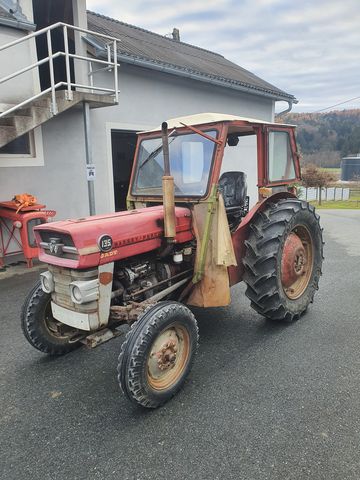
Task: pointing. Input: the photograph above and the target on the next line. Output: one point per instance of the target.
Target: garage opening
(123, 145)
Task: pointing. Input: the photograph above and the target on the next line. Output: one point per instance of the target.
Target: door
(123, 145)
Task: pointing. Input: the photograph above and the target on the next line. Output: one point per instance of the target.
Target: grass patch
(338, 204)
(331, 169)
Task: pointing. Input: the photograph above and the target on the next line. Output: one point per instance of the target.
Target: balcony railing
(110, 64)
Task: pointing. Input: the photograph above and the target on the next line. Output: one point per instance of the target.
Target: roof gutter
(287, 110)
(194, 76)
(18, 24)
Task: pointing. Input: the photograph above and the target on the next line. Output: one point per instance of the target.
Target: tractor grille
(62, 279)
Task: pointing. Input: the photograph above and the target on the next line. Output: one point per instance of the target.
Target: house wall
(15, 58)
(146, 99)
(12, 60)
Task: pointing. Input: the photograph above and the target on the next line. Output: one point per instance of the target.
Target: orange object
(24, 200)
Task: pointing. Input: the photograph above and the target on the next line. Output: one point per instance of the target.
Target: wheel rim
(297, 262)
(168, 357)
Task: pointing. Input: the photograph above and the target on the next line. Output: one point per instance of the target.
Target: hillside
(326, 137)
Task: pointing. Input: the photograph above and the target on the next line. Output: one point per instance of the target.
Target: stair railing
(109, 64)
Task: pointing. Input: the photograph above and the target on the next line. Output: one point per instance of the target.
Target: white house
(158, 78)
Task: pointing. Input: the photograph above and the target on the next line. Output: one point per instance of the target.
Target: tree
(312, 176)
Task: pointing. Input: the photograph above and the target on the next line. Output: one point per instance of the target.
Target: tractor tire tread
(267, 233)
(134, 348)
(32, 307)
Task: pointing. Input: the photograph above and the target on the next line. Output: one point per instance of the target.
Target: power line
(336, 104)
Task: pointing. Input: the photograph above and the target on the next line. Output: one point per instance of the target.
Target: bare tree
(312, 176)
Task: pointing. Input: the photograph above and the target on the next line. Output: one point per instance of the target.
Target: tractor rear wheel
(157, 354)
(284, 254)
(41, 329)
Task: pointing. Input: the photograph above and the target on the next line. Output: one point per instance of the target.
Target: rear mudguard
(242, 233)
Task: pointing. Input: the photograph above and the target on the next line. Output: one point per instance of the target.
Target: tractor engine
(99, 267)
(141, 278)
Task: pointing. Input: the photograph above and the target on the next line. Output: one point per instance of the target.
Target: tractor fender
(242, 233)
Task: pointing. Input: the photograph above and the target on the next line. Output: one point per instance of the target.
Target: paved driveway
(263, 401)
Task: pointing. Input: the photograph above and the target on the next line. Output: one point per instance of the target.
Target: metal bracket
(69, 95)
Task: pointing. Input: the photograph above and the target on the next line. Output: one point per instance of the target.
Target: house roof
(5, 14)
(151, 50)
(15, 19)
(202, 118)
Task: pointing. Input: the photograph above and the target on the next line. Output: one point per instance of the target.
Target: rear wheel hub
(296, 262)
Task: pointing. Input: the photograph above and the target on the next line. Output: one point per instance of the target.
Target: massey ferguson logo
(55, 246)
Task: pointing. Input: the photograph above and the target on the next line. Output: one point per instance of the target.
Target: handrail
(52, 27)
(110, 64)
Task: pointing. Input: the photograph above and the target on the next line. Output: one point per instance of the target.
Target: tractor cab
(248, 159)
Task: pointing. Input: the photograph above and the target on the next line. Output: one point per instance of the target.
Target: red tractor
(193, 229)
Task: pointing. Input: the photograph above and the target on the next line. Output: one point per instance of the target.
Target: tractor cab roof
(208, 118)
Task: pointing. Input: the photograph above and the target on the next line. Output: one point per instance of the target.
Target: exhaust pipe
(168, 189)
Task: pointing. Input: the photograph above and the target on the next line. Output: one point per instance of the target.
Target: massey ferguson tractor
(190, 233)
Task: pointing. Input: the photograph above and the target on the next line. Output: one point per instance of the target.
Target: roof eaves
(11, 16)
(18, 24)
(196, 75)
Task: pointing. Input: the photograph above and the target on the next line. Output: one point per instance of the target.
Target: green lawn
(331, 170)
(353, 202)
(338, 204)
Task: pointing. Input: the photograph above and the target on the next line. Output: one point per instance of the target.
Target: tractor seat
(233, 188)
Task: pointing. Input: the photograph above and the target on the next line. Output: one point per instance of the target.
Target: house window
(19, 146)
(25, 151)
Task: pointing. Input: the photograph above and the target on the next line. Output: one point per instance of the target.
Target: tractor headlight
(84, 291)
(47, 282)
(76, 294)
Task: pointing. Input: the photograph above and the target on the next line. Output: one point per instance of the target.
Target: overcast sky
(310, 49)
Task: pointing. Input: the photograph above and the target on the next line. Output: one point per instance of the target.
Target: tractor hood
(92, 241)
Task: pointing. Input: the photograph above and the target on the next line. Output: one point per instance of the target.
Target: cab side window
(280, 158)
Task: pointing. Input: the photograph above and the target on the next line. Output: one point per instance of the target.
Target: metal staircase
(36, 112)
(18, 119)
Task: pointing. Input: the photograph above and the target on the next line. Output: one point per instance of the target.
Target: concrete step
(12, 120)
(36, 113)
(17, 125)
(7, 134)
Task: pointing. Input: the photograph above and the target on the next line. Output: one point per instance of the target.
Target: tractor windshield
(190, 164)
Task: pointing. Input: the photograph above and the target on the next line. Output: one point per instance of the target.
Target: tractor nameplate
(105, 243)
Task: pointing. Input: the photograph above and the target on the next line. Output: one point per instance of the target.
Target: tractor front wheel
(41, 329)
(284, 254)
(157, 354)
